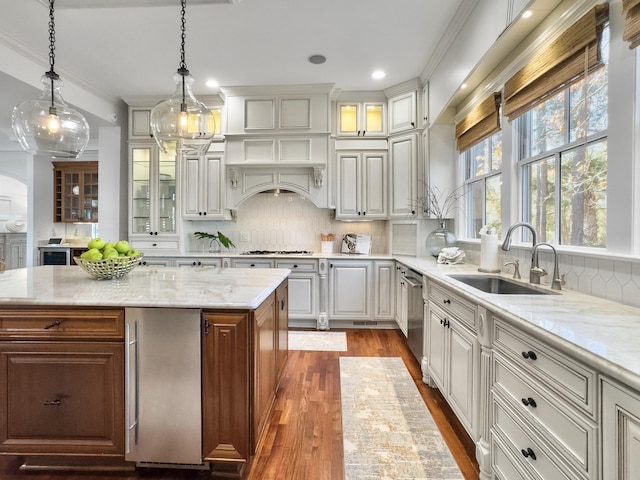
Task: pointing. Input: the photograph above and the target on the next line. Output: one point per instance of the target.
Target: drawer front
(565, 377)
(521, 441)
(298, 265)
(199, 262)
(69, 324)
(503, 465)
(264, 263)
(144, 245)
(453, 304)
(573, 434)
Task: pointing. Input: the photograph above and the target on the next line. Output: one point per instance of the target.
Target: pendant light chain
(183, 35)
(51, 74)
(52, 40)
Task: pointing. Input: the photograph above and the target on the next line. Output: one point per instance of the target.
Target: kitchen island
(72, 380)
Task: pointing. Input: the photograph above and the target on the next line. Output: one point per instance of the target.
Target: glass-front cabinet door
(75, 189)
(362, 119)
(153, 196)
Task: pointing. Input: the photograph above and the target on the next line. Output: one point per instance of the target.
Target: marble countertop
(205, 287)
(599, 332)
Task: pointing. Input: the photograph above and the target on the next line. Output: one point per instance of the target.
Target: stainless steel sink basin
(499, 285)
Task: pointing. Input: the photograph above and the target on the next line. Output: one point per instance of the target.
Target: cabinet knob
(358, 132)
(363, 132)
(447, 301)
(529, 402)
(295, 266)
(413, 124)
(253, 265)
(530, 355)
(528, 453)
(364, 213)
(193, 263)
(413, 212)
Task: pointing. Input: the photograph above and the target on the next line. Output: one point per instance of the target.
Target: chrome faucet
(556, 282)
(506, 246)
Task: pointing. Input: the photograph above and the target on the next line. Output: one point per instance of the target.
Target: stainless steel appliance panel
(415, 317)
(163, 386)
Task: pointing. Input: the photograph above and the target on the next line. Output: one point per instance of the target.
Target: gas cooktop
(277, 252)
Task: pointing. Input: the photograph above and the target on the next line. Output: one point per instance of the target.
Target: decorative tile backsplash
(613, 278)
(284, 222)
(291, 222)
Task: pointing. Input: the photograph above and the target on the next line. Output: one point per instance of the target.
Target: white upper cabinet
(362, 184)
(361, 119)
(202, 182)
(273, 110)
(140, 123)
(403, 112)
(403, 175)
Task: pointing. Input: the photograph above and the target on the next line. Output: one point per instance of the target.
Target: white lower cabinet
(350, 289)
(157, 262)
(384, 298)
(453, 353)
(198, 262)
(620, 431)
(543, 407)
(303, 288)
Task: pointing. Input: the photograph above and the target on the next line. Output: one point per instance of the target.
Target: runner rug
(319, 341)
(388, 431)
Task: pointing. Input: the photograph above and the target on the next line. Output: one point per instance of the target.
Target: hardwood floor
(304, 436)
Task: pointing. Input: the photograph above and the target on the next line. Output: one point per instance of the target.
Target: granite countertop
(234, 254)
(206, 287)
(599, 332)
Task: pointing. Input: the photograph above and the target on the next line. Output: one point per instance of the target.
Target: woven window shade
(481, 123)
(559, 65)
(631, 9)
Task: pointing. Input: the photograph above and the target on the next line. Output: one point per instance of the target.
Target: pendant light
(183, 117)
(48, 126)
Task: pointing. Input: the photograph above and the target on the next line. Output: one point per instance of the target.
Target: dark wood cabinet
(282, 302)
(75, 192)
(62, 382)
(225, 387)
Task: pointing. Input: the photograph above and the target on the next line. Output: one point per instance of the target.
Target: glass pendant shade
(183, 117)
(50, 128)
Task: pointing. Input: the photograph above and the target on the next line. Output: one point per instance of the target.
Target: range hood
(244, 181)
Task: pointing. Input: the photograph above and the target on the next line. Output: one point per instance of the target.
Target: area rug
(319, 341)
(388, 431)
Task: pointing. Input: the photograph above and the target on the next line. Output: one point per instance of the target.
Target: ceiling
(128, 52)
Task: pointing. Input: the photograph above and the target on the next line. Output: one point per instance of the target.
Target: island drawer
(251, 263)
(453, 304)
(51, 324)
(565, 377)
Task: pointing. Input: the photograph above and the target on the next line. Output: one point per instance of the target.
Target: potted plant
(217, 241)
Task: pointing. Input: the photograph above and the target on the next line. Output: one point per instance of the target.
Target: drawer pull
(528, 453)
(529, 402)
(53, 324)
(53, 403)
(531, 355)
(447, 301)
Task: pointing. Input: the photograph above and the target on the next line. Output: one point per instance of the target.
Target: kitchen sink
(499, 285)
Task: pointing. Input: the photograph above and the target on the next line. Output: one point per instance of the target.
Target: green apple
(110, 253)
(134, 252)
(108, 246)
(92, 254)
(123, 246)
(97, 242)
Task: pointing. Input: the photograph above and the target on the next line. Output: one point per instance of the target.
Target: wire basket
(108, 268)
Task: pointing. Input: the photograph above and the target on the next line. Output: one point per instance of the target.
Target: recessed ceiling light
(378, 74)
(317, 59)
(212, 83)
(527, 14)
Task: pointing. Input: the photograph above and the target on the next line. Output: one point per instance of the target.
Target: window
(482, 166)
(563, 161)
